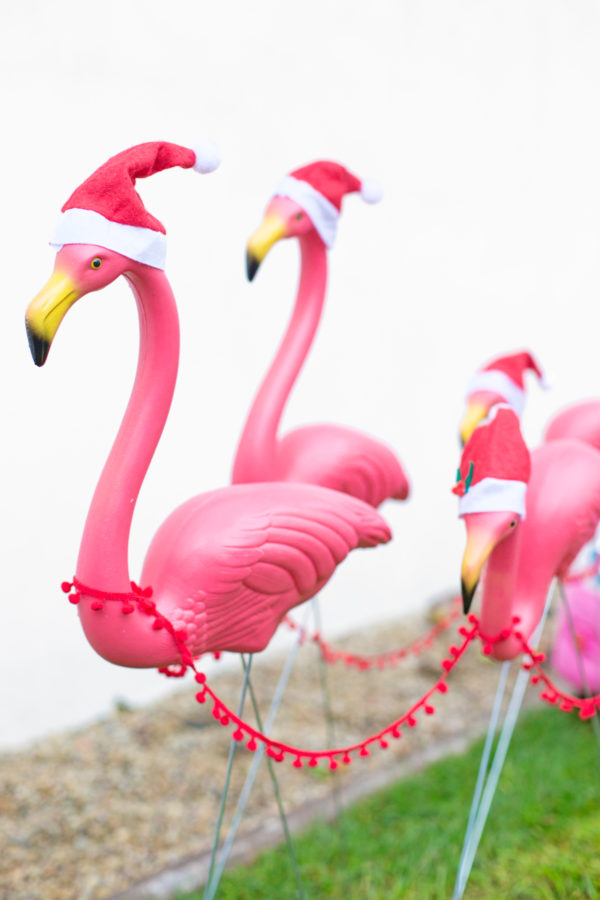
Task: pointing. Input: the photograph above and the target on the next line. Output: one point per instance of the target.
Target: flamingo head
(308, 199)
(283, 218)
(78, 270)
(485, 530)
(479, 403)
(491, 486)
(500, 381)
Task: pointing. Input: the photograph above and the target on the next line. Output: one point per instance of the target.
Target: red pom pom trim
(388, 659)
(279, 751)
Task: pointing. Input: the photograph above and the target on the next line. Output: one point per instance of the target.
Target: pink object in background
(568, 657)
(581, 421)
(333, 456)
(227, 565)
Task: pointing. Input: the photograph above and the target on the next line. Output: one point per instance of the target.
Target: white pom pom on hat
(208, 156)
(371, 190)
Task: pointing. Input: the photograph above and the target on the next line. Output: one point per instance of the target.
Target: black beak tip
(252, 264)
(467, 596)
(39, 348)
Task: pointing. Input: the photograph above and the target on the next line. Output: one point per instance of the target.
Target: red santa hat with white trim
(106, 210)
(319, 189)
(505, 376)
(495, 466)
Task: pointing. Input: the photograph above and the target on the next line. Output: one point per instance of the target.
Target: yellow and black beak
(468, 586)
(272, 229)
(475, 413)
(46, 312)
(480, 544)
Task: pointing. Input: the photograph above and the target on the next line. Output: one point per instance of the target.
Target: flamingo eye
(96, 262)
(513, 523)
(299, 216)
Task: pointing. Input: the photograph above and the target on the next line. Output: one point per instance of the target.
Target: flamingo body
(563, 509)
(225, 566)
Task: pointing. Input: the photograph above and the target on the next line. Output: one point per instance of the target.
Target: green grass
(542, 839)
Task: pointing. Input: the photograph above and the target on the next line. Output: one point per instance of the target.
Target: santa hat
(494, 467)
(106, 209)
(506, 376)
(319, 189)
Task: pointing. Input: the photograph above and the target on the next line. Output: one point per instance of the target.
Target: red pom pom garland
(140, 599)
(388, 659)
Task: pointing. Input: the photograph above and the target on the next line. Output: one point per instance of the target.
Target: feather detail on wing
(344, 460)
(229, 565)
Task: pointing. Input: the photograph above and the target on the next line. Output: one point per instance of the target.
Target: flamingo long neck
(256, 454)
(103, 554)
(517, 579)
(498, 589)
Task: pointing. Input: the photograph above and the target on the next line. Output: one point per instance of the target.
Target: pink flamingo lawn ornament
(226, 566)
(580, 421)
(557, 486)
(502, 380)
(307, 206)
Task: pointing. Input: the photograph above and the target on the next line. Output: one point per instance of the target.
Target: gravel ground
(86, 814)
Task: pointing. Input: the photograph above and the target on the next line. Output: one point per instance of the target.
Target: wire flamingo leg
(232, 749)
(216, 871)
(486, 785)
(483, 769)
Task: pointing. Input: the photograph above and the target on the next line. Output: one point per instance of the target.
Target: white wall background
(481, 120)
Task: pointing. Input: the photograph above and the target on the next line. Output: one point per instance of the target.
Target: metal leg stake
(491, 782)
(207, 890)
(481, 777)
(256, 761)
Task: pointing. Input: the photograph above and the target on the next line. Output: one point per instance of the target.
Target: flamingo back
(344, 460)
(580, 421)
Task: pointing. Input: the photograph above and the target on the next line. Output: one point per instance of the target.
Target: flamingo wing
(344, 460)
(227, 566)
